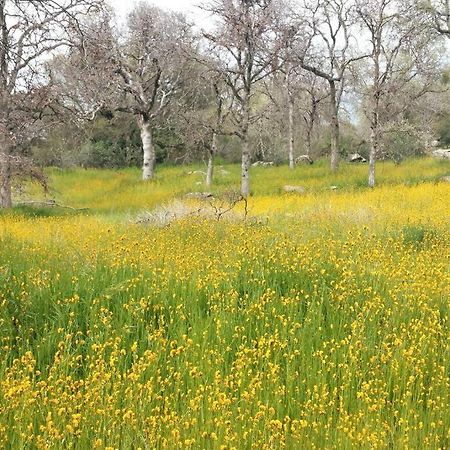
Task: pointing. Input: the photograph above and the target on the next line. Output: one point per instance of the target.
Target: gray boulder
(263, 164)
(356, 158)
(441, 153)
(294, 189)
(304, 159)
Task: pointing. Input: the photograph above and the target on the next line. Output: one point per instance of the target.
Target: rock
(200, 195)
(435, 143)
(294, 189)
(334, 188)
(356, 157)
(263, 164)
(446, 179)
(304, 159)
(441, 153)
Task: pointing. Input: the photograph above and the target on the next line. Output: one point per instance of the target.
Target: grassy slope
(325, 326)
(121, 191)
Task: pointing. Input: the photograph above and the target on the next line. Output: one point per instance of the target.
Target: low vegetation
(320, 321)
(121, 191)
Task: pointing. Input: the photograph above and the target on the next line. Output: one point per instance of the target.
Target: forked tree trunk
(5, 181)
(245, 169)
(334, 111)
(374, 144)
(376, 92)
(291, 132)
(308, 142)
(372, 160)
(210, 169)
(310, 127)
(246, 156)
(148, 149)
(212, 152)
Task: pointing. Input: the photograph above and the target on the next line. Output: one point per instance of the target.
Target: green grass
(111, 191)
(321, 321)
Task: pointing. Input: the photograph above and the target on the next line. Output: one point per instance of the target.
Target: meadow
(317, 321)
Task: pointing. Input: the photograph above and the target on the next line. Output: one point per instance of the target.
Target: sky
(186, 6)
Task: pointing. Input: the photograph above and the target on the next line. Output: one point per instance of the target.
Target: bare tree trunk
(5, 181)
(291, 106)
(376, 92)
(372, 158)
(334, 127)
(310, 127)
(148, 148)
(5, 169)
(291, 132)
(309, 131)
(246, 156)
(374, 142)
(308, 142)
(212, 152)
(245, 175)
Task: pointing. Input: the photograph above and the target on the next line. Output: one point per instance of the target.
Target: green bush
(417, 235)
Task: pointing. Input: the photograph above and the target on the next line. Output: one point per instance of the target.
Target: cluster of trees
(266, 79)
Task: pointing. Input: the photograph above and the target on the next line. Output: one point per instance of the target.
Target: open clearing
(320, 321)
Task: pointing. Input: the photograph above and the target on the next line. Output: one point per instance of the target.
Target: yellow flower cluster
(326, 327)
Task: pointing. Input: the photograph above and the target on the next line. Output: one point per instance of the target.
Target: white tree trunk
(291, 132)
(334, 128)
(373, 146)
(148, 148)
(210, 169)
(5, 181)
(245, 175)
(246, 157)
(372, 160)
(375, 117)
(308, 141)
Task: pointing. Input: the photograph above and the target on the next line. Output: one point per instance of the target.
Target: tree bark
(5, 181)
(212, 152)
(334, 111)
(291, 132)
(372, 158)
(246, 156)
(148, 149)
(245, 175)
(376, 93)
(374, 141)
(310, 121)
(308, 142)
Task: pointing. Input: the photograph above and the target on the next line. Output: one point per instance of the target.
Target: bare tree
(150, 63)
(397, 38)
(326, 51)
(204, 115)
(286, 65)
(138, 69)
(282, 88)
(314, 93)
(222, 107)
(439, 13)
(29, 32)
(242, 42)
(81, 78)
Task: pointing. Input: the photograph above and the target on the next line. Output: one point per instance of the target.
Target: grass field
(320, 321)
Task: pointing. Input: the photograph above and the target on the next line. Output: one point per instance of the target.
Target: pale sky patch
(188, 7)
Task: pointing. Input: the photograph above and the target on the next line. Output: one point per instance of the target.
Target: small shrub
(416, 234)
